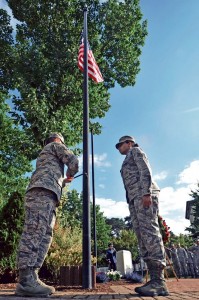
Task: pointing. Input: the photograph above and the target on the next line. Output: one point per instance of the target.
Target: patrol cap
(56, 135)
(125, 138)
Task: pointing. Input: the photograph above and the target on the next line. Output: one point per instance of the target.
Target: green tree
(71, 215)
(194, 227)
(14, 149)
(6, 52)
(70, 211)
(117, 225)
(127, 241)
(45, 69)
(103, 230)
(14, 162)
(11, 225)
(183, 239)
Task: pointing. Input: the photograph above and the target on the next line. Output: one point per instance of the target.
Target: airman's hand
(67, 180)
(146, 201)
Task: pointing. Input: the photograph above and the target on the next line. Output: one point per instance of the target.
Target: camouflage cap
(125, 138)
(56, 135)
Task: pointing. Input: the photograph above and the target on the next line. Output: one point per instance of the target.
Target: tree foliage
(6, 52)
(44, 68)
(103, 230)
(11, 225)
(127, 241)
(117, 225)
(66, 249)
(71, 215)
(13, 159)
(15, 145)
(182, 239)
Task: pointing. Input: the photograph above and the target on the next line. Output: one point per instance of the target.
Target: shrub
(11, 226)
(66, 249)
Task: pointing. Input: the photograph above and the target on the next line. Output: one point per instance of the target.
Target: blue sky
(161, 111)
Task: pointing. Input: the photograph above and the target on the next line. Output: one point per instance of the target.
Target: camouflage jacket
(49, 173)
(136, 175)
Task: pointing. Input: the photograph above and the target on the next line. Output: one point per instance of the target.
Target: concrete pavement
(184, 289)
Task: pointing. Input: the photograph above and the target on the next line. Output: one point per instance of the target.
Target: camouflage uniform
(190, 263)
(137, 178)
(183, 258)
(42, 196)
(195, 250)
(176, 262)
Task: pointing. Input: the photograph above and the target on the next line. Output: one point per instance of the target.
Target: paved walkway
(184, 289)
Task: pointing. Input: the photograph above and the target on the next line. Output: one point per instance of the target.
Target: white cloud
(112, 208)
(190, 175)
(160, 176)
(178, 225)
(172, 199)
(100, 160)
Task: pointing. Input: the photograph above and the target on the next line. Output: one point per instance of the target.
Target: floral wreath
(164, 230)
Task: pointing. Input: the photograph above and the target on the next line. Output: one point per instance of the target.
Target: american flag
(93, 69)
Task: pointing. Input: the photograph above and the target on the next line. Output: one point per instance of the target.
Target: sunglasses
(120, 144)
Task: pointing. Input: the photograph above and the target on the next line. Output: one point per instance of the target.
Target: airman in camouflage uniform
(142, 197)
(175, 261)
(190, 263)
(183, 258)
(195, 250)
(42, 196)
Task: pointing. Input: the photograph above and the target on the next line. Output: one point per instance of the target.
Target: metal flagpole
(86, 278)
(93, 189)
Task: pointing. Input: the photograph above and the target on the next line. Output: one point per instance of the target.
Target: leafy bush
(66, 249)
(11, 226)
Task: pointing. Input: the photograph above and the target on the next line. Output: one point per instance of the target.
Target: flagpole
(94, 207)
(86, 278)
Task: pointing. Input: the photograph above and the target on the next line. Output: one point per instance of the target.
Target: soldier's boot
(157, 285)
(36, 276)
(30, 287)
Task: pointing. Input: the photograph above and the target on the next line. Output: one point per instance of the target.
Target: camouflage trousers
(146, 227)
(36, 238)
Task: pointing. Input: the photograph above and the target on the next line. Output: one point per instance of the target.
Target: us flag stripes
(93, 69)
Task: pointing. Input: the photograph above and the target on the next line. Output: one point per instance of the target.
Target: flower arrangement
(164, 230)
(113, 275)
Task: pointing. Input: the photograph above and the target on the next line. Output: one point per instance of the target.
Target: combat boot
(36, 276)
(29, 286)
(156, 286)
